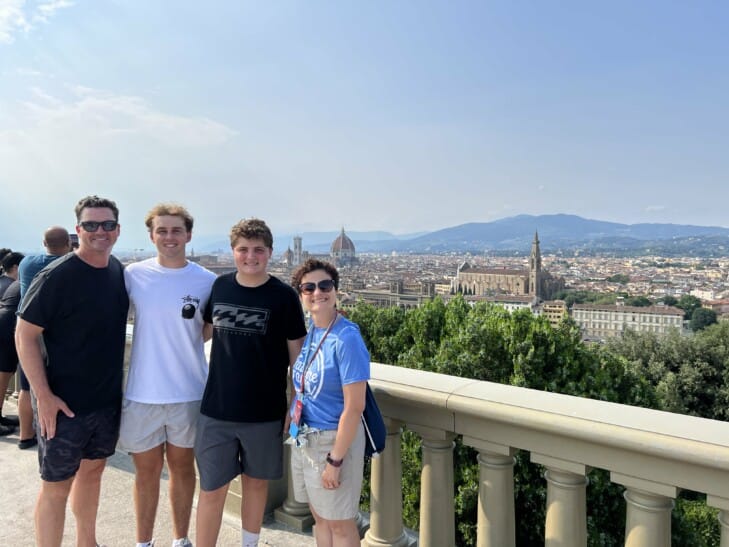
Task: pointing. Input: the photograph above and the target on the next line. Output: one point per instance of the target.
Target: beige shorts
(307, 465)
(145, 426)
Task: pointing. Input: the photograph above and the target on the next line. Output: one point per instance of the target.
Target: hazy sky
(389, 115)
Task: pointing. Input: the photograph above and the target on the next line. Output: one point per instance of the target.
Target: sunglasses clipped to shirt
(93, 225)
(326, 285)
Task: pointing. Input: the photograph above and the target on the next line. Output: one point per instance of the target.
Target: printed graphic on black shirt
(240, 319)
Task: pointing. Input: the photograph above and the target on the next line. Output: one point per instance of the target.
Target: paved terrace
(19, 482)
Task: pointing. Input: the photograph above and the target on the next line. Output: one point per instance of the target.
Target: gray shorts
(145, 426)
(307, 465)
(224, 450)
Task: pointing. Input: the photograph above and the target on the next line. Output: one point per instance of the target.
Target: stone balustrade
(652, 454)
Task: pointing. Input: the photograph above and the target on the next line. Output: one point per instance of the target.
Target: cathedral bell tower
(535, 268)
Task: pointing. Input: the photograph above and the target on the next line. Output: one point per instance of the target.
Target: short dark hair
(251, 228)
(95, 202)
(311, 265)
(11, 259)
(169, 209)
(4, 251)
(56, 238)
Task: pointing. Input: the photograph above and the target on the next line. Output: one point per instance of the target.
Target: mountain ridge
(557, 233)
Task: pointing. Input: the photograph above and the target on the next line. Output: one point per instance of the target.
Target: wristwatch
(333, 462)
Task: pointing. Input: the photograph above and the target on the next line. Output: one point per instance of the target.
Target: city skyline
(405, 117)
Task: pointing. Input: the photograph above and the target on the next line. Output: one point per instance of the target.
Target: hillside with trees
(678, 374)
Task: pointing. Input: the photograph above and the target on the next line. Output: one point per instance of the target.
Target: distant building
(554, 311)
(511, 302)
(342, 250)
(721, 307)
(603, 321)
(532, 281)
(398, 293)
(298, 253)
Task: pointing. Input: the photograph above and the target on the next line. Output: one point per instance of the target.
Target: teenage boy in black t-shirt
(258, 330)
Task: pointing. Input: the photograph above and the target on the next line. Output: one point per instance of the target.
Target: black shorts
(8, 356)
(90, 436)
(23, 379)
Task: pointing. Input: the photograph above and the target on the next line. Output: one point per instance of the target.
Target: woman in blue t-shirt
(327, 459)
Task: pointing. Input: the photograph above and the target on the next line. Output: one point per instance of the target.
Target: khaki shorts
(307, 465)
(146, 426)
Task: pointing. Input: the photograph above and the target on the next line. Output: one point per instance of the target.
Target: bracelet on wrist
(333, 462)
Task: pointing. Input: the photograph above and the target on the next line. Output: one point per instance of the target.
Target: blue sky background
(401, 116)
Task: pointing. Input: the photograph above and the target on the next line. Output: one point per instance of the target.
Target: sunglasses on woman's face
(325, 285)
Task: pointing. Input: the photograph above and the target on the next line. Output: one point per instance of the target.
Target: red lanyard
(306, 368)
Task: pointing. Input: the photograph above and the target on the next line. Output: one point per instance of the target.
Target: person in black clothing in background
(9, 298)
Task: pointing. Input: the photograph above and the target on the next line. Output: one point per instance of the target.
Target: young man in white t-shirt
(167, 371)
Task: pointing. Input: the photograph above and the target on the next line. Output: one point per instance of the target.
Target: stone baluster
(292, 513)
(566, 520)
(437, 514)
(386, 528)
(648, 517)
(723, 505)
(495, 524)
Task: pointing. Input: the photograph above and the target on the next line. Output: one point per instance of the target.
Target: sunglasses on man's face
(93, 225)
(325, 285)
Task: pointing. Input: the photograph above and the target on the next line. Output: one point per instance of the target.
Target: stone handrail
(653, 454)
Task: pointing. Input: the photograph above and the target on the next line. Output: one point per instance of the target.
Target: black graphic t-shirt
(249, 356)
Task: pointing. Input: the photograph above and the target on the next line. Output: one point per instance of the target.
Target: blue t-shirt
(29, 266)
(342, 359)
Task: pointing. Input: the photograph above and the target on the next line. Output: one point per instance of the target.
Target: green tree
(640, 301)
(688, 304)
(486, 342)
(702, 318)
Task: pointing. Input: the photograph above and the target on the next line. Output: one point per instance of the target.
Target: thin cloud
(12, 19)
(95, 114)
(16, 16)
(46, 10)
(28, 72)
(655, 208)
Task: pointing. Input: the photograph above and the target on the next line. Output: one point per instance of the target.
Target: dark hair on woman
(11, 259)
(312, 265)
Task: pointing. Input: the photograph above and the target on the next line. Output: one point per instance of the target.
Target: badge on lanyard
(296, 407)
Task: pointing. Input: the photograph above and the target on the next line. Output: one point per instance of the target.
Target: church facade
(532, 281)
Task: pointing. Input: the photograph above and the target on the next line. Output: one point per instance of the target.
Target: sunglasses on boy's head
(93, 225)
(325, 285)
